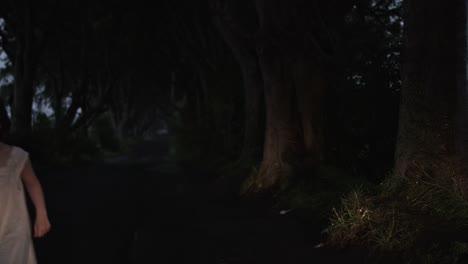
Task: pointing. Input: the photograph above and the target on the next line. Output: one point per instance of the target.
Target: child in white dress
(16, 172)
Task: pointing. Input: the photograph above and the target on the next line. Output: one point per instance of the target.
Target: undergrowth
(319, 191)
(421, 217)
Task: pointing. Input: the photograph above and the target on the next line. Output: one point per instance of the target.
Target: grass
(420, 218)
(319, 191)
(360, 222)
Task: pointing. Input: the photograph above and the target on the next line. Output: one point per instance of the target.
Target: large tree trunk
(293, 80)
(310, 83)
(254, 112)
(428, 114)
(243, 49)
(283, 142)
(283, 134)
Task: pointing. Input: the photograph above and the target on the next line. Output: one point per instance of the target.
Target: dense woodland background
(352, 112)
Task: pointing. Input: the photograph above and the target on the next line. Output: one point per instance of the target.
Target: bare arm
(33, 186)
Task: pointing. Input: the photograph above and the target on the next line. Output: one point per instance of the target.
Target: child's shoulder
(18, 149)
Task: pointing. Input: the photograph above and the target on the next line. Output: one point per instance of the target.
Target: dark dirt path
(140, 208)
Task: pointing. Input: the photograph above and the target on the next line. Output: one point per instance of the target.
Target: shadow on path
(137, 209)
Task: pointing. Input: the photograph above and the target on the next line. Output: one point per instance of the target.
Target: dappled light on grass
(421, 217)
(361, 222)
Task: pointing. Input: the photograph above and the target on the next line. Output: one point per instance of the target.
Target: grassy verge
(417, 219)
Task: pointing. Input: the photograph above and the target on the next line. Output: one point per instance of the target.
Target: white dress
(16, 245)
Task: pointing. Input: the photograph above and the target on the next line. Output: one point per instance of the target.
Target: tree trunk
(293, 88)
(254, 113)
(24, 78)
(310, 83)
(429, 106)
(293, 83)
(283, 141)
(462, 78)
(204, 119)
(254, 108)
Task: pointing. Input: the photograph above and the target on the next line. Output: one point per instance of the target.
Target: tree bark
(254, 108)
(311, 83)
(293, 79)
(429, 107)
(283, 141)
(462, 81)
(254, 112)
(283, 135)
(24, 76)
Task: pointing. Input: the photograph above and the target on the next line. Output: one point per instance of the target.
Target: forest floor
(142, 208)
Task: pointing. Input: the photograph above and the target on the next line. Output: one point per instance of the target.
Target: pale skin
(33, 186)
